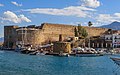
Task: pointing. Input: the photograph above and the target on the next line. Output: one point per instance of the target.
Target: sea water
(13, 63)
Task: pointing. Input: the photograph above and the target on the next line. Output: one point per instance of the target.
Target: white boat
(116, 60)
(64, 54)
(86, 52)
(40, 53)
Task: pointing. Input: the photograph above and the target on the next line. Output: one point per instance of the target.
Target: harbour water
(12, 63)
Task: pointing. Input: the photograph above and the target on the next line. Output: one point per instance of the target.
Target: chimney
(60, 38)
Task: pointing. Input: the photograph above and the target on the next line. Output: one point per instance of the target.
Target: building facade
(110, 39)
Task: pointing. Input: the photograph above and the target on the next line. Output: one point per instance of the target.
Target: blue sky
(29, 12)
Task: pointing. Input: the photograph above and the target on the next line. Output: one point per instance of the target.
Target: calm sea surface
(12, 63)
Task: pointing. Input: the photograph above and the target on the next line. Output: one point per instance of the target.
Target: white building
(114, 38)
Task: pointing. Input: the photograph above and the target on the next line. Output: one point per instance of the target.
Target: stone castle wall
(53, 30)
(30, 36)
(47, 32)
(10, 36)
(94, 31)
(50, 32)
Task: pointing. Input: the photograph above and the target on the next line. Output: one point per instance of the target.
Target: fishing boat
(64, 54)
(86, 52)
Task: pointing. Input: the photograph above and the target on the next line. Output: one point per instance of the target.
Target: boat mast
(8, 42)
(22, 37)
(25, 35)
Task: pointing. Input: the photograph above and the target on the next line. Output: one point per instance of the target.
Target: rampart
(68, 30)
(45, 33)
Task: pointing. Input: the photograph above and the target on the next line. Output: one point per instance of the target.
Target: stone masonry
(37, 35)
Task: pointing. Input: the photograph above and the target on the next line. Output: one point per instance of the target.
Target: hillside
(114, 25)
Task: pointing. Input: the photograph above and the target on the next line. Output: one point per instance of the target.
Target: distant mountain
(2, 39)
(114, 25)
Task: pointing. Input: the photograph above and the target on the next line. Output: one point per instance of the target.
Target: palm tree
(89, 24)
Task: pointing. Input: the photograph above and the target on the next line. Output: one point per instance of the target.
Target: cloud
(107, 18)
(117, 15)
(12, 17)
(91, 3)
(1, 5)
(78, 11)
(15, 3)
(23, 18)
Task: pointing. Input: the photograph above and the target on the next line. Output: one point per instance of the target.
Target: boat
(59, 54)
(88, 54)
(32, 53)
(18, 48)
(64, 54)
(116, 60)
(40, 53)
(8, 49)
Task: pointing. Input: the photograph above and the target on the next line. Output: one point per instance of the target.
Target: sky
(74, 12)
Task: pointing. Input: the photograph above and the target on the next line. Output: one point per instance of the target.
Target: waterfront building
(116, 40)
(100, 43)
(114, 37)
(110, 39)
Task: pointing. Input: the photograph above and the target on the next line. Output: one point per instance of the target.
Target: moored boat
(64, 54)
(88, 54)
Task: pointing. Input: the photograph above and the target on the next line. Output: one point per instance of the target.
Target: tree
(82, 32)
(90, 23)
(76, 32)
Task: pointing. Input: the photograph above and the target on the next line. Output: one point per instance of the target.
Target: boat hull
(88, 55)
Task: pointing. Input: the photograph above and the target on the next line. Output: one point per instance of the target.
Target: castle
(46, 32)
